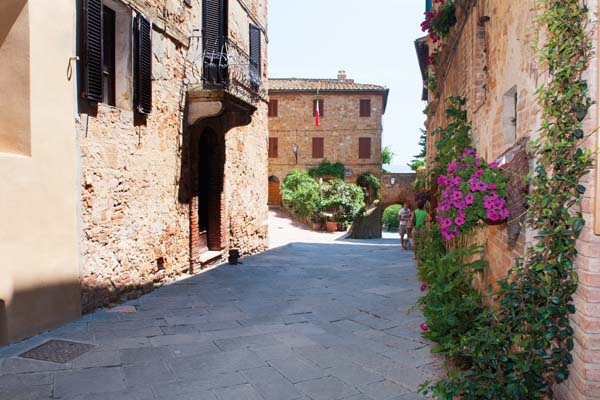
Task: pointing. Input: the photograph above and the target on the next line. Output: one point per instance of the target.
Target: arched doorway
(211, 160)
(274, 191)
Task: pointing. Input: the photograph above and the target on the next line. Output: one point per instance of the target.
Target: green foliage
(300, 192)
(371, 182)
(455, 138)
(307, 198)
(423, 145)
(345, 200)
(521, 348)
(445, 19)
(390, 216)
(387, 155)
(417, 164)
(326, 168)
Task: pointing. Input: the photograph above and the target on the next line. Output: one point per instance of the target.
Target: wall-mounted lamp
(484, 19)
(295, 150)
(392, 181)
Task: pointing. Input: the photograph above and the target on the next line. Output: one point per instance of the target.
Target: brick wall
(341, 126)
(483, 62)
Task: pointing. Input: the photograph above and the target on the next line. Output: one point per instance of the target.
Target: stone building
(162, 169)
(349, 130)
(488, 59)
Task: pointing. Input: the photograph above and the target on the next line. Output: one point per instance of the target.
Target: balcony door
(214, 32)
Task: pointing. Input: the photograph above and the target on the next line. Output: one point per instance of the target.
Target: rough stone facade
(397, 189)
(490, 61)
(136, 225)
(340, 125)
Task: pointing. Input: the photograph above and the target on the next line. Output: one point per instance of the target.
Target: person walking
(404, 218)
(420, 220)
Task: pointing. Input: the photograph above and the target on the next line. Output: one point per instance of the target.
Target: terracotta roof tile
(302, 85)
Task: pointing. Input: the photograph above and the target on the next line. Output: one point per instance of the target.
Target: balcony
(220, 76)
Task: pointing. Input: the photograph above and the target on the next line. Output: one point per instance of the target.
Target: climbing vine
(521, 347)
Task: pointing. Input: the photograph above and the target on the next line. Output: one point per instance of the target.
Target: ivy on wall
(520, 347)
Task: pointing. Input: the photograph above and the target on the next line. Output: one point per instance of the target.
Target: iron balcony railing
(223, 65)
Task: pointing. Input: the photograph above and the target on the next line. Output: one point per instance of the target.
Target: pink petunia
(423, 287)
(494, 165)
(459, 221)
(469, 199)
(493, 216)
(492, 186)
(424, 327)
(504, 213)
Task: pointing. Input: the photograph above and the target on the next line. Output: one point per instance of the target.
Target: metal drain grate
(58, 351)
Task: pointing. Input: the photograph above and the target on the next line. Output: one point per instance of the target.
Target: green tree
(387, 155)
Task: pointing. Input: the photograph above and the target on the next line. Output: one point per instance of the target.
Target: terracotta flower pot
(330, 226)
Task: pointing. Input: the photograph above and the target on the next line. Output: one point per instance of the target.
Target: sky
(373, 41)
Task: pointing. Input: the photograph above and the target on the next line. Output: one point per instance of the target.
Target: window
(214, 28)
(364, 148)
(321, 108)
(255, 56)
(273, 147)
(108, 56)
(116, 56)
(143, 65)
(365, 107)
(509, 116)
(318, 147)
(273, 108)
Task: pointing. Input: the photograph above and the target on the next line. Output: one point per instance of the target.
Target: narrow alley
(315, 317)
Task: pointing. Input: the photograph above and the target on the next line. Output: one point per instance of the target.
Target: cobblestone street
(315, 317)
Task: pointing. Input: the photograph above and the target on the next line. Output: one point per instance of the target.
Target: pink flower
(469, 199)
(442, 180)
(481, 186)
(452, 166)
(493, 216)
(504, 213)
(459, 221)
(423, 287)
(494, 165)
(445, 222)
(424, 327)
(492, 186)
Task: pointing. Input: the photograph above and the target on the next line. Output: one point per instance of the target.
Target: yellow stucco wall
(39, 271)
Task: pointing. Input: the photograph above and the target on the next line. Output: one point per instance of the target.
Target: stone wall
(488, 62)
(135, 228)
(397, 189)
(341, 126)
(246, 184)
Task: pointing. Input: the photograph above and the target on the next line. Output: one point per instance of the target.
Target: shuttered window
(273, 108)
(93, 11)
(365, 107)
(255, 56)
(364, 148)
(143, 65)
(273, 147)
(213, 30)
(321, 107)
(108, 56)
(318, 147)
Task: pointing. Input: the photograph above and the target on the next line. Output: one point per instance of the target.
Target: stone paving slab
(316, 317)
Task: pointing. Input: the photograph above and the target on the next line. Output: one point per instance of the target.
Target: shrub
(345, 200)
(390, 216)
(300, 193)
(326, 168)
(371, 182)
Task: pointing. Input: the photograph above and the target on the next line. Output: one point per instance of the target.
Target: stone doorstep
(209, 256)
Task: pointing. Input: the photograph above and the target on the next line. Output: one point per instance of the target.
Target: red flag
(317, 113)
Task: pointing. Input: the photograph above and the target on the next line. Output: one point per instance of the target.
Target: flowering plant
(471, 191)
(440, 20)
